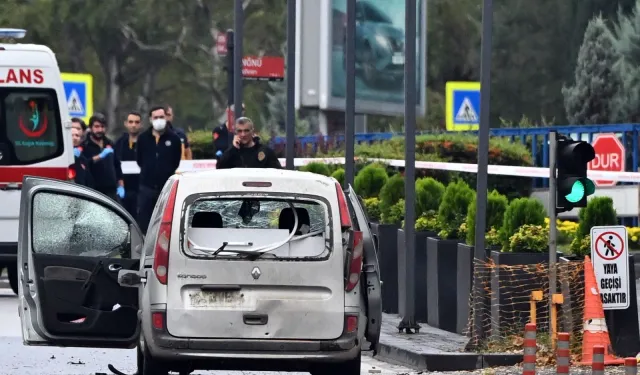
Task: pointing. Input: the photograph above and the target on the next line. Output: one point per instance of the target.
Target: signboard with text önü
(610, 258)
(610, 156)
(265, 68)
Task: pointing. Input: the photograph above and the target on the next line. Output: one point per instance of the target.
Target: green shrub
(581, 247)
(521, 211)
(529, 239)
(599, 212)
(372, 206)
(318, 168)
(391, 193)
(428, 222)
(492, 238)
(370, 180)
(496, 207)
(395, 214)
(429, 194)
(453, 208)
(338, 174)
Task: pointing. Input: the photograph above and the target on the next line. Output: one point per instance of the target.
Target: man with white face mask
(158, 156)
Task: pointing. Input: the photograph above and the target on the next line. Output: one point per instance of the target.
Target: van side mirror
(130, 278)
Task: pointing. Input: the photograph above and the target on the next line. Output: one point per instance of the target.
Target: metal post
(408, 321)
(553, 164)
(291, 88)
(483, 162)
(230, 75)
(238, 51)
(350, 97)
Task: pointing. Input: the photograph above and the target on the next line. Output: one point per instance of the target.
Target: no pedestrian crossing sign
(610, 257)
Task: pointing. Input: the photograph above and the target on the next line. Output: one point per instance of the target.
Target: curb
(445, 361)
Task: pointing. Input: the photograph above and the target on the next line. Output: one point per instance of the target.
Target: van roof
(256, 174)
(26, 47)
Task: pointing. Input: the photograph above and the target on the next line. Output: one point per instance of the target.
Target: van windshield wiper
(214, 252)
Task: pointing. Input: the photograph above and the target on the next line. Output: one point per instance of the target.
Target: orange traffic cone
(595, 326)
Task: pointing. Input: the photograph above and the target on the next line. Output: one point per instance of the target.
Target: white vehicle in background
(242, 269)
(35, 131)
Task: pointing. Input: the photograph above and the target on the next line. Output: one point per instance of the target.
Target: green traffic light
(577, 192)
(589, 186)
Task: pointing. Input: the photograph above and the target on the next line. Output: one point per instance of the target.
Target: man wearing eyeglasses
(246, 150)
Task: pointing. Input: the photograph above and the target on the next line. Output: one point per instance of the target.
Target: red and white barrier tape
(130, 167)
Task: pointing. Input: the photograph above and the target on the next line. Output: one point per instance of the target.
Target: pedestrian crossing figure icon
(609, 247)
(75, 104)
(466, 113)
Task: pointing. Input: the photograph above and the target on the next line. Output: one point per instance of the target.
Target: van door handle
(255, 319)
(114, 267)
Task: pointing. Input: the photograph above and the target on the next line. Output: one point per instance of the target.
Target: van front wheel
(351, 367)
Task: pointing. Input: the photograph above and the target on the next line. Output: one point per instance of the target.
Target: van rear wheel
(351, 367)
(147, 365)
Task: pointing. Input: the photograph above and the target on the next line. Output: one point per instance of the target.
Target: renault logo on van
(255, 272)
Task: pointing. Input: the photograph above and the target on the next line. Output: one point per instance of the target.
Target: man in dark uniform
(158, 156)
(246, 150)
(104, 164)
(186, 147)
(81, 165)
(220, 137)
(126, 150)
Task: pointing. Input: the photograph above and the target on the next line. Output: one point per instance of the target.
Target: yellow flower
(634, 238)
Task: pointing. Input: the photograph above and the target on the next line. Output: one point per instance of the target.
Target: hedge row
(455, 148)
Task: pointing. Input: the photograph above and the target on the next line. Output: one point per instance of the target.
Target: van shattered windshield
(265, 228)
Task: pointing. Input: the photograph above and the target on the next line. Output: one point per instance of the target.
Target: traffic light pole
(553, 183)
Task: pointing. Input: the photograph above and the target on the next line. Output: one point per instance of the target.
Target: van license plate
(216, 299)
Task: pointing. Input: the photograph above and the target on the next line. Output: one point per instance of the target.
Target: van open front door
(73, 242)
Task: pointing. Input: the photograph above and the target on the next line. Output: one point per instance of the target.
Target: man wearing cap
(104, 165)
(246, 150)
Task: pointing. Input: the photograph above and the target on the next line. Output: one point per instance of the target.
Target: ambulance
(35, 132)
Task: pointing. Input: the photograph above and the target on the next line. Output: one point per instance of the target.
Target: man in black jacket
(104, 164)
(126, 150)
(246, 150)
(81, 165)
(158, 156)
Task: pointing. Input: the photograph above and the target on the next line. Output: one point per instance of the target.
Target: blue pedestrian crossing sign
(462, 106)
(78, 89)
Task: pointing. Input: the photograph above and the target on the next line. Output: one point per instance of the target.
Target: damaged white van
(241, 269)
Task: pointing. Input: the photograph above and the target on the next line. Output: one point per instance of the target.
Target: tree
(590, 99)
(626, 35)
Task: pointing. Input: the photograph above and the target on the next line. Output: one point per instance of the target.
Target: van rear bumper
(8, 252)
(168, 347)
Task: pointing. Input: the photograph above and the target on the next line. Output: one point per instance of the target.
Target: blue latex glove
(219, 153)
(120, 192)
(106, 152)
(76, 152)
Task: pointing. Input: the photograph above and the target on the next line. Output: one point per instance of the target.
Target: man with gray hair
(246, 150)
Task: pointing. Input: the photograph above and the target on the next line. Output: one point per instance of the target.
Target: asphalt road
(18, 359)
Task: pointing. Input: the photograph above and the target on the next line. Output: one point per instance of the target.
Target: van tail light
(345, 217)
(71, 172)
(161, 258)
(351, 323)
(355, 261)
(157, 320)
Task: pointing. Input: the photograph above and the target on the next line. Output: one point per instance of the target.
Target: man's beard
(98, 136)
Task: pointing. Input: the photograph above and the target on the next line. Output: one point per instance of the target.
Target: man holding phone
(246, 150)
